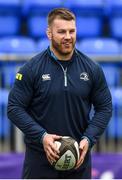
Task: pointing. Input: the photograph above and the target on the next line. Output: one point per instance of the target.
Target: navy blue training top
(48, 98)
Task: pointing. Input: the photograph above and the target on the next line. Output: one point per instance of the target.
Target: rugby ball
(69, 153)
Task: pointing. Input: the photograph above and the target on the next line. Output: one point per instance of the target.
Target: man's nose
(67, 35)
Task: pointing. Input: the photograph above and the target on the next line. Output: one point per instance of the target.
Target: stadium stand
(35, 7)
(10, 7)
(116, 27)
(10, 17)
(17, 44)
(22, 34)
(42, 44)
(115, 6)
(4, 123)
(86, 7)
(115, 124)
(9, 71)
(111, 73)
(88, 27)
(10, 25)
(100, 46)
(37, 26)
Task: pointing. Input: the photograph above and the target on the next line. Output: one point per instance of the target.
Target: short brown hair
(61, 13)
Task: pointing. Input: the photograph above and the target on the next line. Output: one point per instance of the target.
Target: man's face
(63, 36)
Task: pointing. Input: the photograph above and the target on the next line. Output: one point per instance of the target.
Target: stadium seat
(88, 26)
(112, 74)
(10, 7)
(4, 123)
(107, 8)
(16, 46)
(42, 44)
(85, 7)
(37, 26)
(121, 47)
(9, 70)
(20, 45)
(116, 7)
(39, 7)
(100, 46)
(0, 76)
(116, 27)
(115, 128)
(9, 25)
(115, 125)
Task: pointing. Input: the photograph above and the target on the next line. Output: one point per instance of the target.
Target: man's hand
(83, 146)
(50, 148)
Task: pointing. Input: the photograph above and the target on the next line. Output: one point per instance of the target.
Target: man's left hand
(83, 147)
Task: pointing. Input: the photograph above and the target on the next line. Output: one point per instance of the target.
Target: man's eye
(61, 32)
(72, 31)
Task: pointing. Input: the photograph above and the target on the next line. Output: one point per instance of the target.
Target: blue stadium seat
(107, 8)
(0, 76)
(39, 7)
(4, 123)
(16, 45)
(88, 27)
(10, 7)
(85, 7)
(9, 25)
(117, 97)
(20, 45)
(116, 27)
(115, 128)
(9, 70)
(121, 47)
(115, 125)
(37, 26)
(112, 74)
(100, 46)
(42, 44)
(116, 7)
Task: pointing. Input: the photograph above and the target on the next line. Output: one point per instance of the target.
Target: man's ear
(49, 34)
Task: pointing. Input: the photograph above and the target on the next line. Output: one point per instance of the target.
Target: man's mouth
(67, 43)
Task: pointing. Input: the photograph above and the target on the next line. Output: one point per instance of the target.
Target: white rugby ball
(69, 153)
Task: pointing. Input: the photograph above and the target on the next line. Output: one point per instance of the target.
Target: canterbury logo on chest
(46, 77)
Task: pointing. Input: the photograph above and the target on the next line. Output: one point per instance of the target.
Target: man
(52, 98)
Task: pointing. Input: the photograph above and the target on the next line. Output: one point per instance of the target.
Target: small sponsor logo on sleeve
(19, 76)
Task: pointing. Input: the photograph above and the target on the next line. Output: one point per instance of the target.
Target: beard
(63, 48)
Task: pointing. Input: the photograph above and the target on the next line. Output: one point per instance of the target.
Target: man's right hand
(50, 148)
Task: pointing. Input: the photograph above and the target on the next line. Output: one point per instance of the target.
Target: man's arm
(101, 99)
(19, 100)
(102, 102)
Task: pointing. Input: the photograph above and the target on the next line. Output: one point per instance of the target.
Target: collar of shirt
(55, 58)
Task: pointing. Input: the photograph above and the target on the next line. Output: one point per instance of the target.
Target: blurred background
(99, 35)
